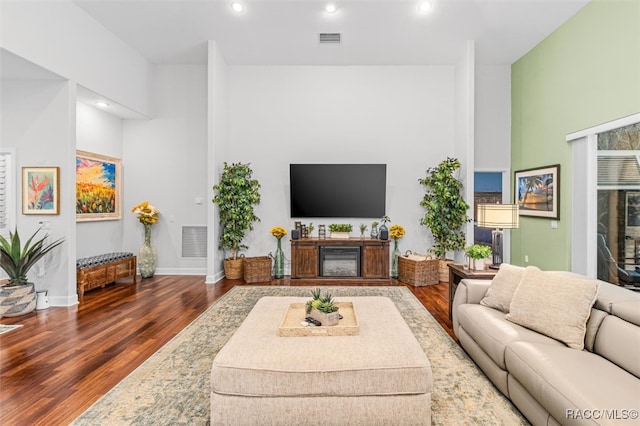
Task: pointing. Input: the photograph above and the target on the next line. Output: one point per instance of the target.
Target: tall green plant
(446, 209)
(236, 195)
(16, 260)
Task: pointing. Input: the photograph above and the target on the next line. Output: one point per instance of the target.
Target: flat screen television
(338, 190)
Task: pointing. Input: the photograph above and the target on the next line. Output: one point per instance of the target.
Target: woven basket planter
(418, 270)
(18, 300)
(257, 269)
(234, 268)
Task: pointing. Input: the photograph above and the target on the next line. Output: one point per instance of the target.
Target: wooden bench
(98, 271)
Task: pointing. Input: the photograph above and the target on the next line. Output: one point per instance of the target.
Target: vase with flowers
(148, 255)
(396, 232)
(278, 258)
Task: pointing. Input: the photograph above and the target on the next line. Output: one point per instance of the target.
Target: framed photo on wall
(537, 192)
(40, 190)
(98, 187)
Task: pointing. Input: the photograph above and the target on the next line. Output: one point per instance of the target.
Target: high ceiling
(378, 32)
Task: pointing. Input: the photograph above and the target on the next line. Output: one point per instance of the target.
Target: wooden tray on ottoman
(296, 313)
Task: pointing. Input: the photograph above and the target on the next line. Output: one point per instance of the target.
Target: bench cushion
(92, 261)
(384, 359)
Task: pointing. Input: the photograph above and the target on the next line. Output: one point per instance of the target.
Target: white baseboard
(63, 301)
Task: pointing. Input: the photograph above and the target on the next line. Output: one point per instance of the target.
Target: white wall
(218, 149)
(493, 112)
(61, 37)
(464, 135)
(100, 133)
(399, 115)
(37, 121)
(165, 162)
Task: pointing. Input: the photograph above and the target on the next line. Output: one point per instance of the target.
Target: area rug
(172, 386)
(8, 328)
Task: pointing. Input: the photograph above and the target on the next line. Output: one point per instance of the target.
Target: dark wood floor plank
(63, 359)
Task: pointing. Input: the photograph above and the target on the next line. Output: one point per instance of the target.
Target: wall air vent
(330, 38)
(194, 241)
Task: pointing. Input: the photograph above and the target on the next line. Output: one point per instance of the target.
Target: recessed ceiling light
(330, 8)
(237, 7)
(424, 6)
(102, 104)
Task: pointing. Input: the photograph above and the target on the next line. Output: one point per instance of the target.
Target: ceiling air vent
(330, 38)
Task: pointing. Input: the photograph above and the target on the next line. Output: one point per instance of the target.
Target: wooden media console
(370, 258)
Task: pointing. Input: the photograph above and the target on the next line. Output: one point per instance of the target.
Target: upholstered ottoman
(379, 377)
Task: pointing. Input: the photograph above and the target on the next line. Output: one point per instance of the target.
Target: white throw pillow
(554, 305)
(504, 284)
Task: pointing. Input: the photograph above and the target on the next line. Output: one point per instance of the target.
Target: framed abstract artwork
(537, 191)
(98, 187)
(40, 190)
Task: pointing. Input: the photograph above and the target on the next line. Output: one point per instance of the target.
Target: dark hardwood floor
(64, 358)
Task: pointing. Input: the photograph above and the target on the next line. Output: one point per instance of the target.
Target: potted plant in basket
(446, 210)
(236, 195)
(18, 296)
(478, 252)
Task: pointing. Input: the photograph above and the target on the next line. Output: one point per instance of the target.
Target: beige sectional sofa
(587, 373)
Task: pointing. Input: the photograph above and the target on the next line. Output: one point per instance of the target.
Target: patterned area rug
(8, 328)
(172, 387)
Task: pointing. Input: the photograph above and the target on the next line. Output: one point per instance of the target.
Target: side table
(457, 273)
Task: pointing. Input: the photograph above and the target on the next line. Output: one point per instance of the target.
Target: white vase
(479, 264)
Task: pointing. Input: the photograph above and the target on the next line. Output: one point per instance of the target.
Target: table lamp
(499, 217)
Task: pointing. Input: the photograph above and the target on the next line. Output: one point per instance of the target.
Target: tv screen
(338, 190)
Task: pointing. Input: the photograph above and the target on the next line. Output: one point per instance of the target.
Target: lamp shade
(501, 216)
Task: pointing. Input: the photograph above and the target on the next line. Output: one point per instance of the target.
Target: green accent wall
(585, 73)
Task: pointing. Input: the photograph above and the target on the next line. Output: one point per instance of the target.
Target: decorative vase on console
(396, 232)
(383, 227)
(363, 229)
(148, 255)
(278, 258)
(374, 230)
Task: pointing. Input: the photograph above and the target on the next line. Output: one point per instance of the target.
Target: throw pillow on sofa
(554, 305)
(503, 285)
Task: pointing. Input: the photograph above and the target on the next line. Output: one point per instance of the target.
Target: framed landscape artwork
(98, 187)
(40, 190)
(537, 191)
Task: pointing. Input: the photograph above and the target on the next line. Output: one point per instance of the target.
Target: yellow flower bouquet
(147, 214)
(396, 231)
(278, 232)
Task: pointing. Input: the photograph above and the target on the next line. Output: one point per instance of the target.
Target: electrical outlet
(526, 258)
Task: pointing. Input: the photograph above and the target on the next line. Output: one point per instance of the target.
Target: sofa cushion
(619, 342)
(562, 379)
(492, 332)
(503, 285)
(593, 325)
(555, 305)
(610, 294)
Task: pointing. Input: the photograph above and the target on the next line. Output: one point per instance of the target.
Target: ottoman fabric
(384, 359)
